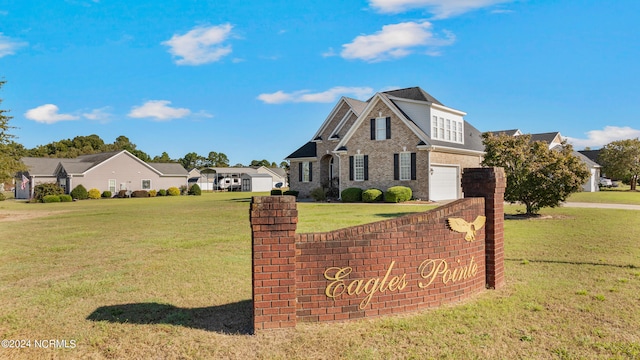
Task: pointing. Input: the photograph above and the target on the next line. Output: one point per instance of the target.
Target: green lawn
(170, 278)
(608, 196)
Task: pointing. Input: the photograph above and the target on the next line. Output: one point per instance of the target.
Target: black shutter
(310, 171)
(300, 166)
(396, 166)
(388, 128)
(413, 166)
(366, 167)
(373, 129)
(351, 168)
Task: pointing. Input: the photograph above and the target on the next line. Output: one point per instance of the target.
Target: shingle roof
(545, 137)
(511, 132)
(169, 168)
(591, 154)
(413, 93)
(41, 166)
(306, 150)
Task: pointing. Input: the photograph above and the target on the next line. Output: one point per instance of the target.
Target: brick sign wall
(387, 267)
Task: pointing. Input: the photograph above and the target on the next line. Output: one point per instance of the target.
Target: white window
(358, 167)
(405, 166)
(446, 129)
(381, 128)
(146, 184)
(305, 172)
(112, 185)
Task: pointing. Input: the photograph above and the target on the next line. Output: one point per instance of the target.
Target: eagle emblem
(461, 226)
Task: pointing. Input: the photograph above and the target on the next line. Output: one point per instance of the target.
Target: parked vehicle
(605, 182)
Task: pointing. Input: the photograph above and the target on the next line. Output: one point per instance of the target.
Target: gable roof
(591, 154)
(545, 137)
(307, 150)
(512, 132)
(84, 163)
(413, 93)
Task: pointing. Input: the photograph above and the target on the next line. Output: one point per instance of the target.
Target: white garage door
(444, 183)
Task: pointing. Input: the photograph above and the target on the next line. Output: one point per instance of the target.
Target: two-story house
(400, 137)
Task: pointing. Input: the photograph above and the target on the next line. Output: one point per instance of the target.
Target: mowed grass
(171, 278)
(608, 196)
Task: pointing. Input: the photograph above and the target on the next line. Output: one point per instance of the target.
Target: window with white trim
(146, 184)
(358, 167)
(446, 129)
(112, 185)
(405, 166)
(306, 171)
(381, 128)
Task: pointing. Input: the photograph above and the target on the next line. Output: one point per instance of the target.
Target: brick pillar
(273, 229)
(490, 184)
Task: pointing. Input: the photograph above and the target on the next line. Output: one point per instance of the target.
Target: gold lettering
(337, 287)
(431, 269)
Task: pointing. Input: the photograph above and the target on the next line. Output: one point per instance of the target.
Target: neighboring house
(401, 137)
(112, 171)
(554, 139)
(239, 178)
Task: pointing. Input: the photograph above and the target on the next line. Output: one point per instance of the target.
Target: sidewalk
(601, 206)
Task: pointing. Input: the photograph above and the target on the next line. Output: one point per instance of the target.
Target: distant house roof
(591, 154)
(512, 132)
(413, 93)
(590, 163)
(545, 137)
(84, 163)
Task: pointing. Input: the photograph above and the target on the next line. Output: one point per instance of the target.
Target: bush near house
(195, 190)
(291, 192)
(372, 195)
(94, 194)
(80, 193)
(65, 198)
(173, 191)
(42, 190)
(352, 194)
(318, 194)
(50, 198)
(162, 192)
(153, 193)
(275, 192)
(106, 194)
(139, 194)
(396, 194)
(2, 197)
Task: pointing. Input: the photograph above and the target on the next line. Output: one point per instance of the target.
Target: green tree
(164, 158)
(536, 175)
(216, 159)
(192, 160)
(263, 162)
(621, 160)
(10, 153)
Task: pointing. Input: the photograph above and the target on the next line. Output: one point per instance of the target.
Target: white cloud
(101, 115)
(201, 45)
(328, 96)
(599, 138)
(441, 9)
(159, 110)
(394, 41)
(48, 114)
(9, 46)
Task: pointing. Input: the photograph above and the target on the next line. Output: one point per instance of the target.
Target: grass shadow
(234, 318)
(241, 199)
(628, 266)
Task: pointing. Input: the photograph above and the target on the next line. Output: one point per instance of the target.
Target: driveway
(601, 206)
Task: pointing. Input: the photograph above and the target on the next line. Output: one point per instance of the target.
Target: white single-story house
(109, 171)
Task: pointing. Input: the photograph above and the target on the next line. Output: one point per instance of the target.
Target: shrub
(94, 194)
(195, 190)
(162, 192)
(139, 194)
(51, 198)
(183, 190)
(276, 192)
(80, 193)
(372, 195)
(122, 194)
(318, 194)
(397, 194)
(2, 197)
(153, 193)
(42, 190)
(291, 192)
(352, 194)
(106, 194)
(65, 198)
(173, 191)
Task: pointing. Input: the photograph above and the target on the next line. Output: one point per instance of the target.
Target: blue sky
(255, 79)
